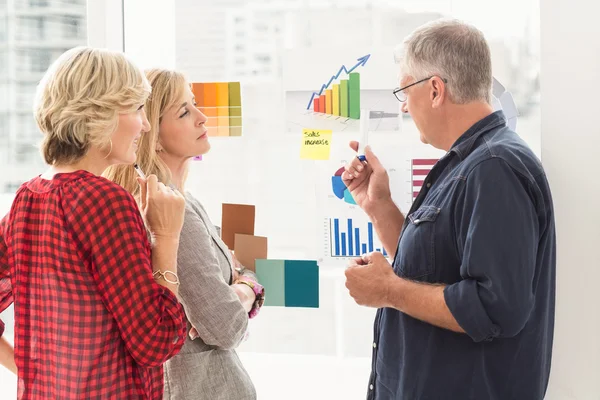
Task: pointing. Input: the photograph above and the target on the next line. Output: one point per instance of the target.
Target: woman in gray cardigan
(217, 297)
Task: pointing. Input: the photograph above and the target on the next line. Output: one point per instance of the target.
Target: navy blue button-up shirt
(483, 224)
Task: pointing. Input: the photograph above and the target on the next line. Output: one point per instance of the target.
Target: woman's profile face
(182, 133)
(126, 137)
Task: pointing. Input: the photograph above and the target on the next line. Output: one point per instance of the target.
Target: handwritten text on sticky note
(316, 144)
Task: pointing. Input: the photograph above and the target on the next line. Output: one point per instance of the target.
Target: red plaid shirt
(90, 321)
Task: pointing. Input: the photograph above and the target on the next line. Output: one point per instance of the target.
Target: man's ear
(438, 91)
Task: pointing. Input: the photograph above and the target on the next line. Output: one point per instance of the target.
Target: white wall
(570, 71)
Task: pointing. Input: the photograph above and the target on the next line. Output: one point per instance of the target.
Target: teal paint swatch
(289, 283)
(271, 274)
(301, 283)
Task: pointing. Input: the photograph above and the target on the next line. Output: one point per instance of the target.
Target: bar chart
(221, 102)
(420, 167)
(343, 99)
(348, 238)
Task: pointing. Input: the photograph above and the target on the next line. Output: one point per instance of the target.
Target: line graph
(361, 62)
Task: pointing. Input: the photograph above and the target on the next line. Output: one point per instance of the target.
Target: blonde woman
(218, 299)
(96, 312)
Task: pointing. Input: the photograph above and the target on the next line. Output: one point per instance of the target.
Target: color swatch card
(221, 102)
(316, 144)
(236, 218)
(249, 248)
(289, 283)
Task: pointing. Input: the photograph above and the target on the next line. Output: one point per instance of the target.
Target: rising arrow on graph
(361, 62)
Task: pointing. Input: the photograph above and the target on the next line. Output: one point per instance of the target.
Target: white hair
(452, 50)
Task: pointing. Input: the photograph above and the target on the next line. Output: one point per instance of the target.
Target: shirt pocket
(417, 245)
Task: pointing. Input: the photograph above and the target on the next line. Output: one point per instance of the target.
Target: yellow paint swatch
(316, 144)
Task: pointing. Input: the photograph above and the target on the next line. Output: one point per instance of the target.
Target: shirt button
(429, 184)
(374, 345)
(371, 387)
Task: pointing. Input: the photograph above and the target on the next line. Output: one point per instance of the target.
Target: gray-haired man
(466, 311)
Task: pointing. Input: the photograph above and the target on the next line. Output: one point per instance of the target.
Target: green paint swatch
(271, 274)
(289, 283)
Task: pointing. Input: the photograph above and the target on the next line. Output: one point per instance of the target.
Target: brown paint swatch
(236, 218)
(249, 248)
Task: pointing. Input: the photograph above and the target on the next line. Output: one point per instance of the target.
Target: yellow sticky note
(316, 144)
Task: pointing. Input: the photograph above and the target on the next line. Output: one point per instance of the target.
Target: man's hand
(369, 280)
(368, 181)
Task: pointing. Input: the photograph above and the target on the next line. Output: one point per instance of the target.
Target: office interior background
(547, 54)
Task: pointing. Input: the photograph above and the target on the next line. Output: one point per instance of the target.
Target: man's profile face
(416, 104)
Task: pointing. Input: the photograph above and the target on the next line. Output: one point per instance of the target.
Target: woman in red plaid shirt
(96, 312)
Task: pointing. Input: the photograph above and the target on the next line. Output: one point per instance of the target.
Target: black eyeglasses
(399, 92)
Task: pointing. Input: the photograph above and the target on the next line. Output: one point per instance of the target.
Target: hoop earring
(110, 151)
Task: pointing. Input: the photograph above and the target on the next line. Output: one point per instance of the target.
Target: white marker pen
(139, 171)
(364, 133)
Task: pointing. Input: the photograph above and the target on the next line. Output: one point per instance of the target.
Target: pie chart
(339, 188)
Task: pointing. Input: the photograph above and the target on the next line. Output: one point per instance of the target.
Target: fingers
(354, 169)
(372, 159)
(354, 145)
(372, 257)
(151, 186)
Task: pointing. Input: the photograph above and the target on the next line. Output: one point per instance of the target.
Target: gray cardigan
(207, 367)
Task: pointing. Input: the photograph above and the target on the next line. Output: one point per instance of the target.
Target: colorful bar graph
(354, 95)
(289, 283)
(322, 102)
(221, 102)
(328, 101)
(336, 100)
(348, 244)
(342, 99)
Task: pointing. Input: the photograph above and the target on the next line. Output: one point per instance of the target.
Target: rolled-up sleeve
(497, 234)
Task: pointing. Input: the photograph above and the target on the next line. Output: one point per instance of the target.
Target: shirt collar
(464, 144)
(40, 185)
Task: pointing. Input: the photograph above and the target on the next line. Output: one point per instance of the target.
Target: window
(30, 28)
(40, 60)
(38, 3)
(71, 28)
(39, 38)
(3, 63)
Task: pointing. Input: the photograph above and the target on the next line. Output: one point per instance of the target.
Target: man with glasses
(466, 309)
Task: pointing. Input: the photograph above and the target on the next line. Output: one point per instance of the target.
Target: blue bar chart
(347, 238)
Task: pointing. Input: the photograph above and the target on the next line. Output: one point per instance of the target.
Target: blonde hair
(78, 101)
(168, 87)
